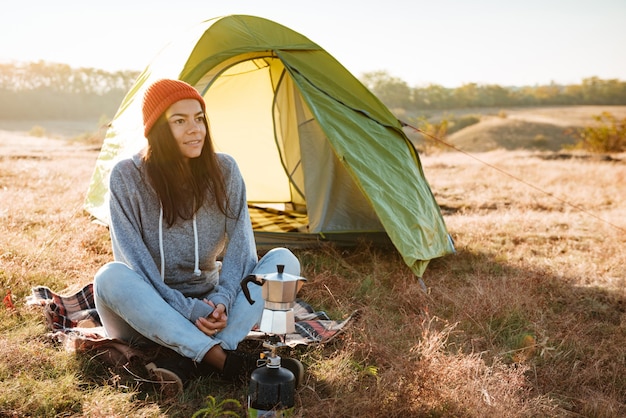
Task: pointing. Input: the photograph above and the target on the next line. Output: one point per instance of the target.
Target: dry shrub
(606, 135)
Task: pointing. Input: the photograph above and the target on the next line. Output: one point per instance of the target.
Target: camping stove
(272, 388)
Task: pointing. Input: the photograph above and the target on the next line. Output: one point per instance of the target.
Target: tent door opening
(257, 115)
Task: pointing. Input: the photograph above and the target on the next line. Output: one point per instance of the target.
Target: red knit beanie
(161, 95)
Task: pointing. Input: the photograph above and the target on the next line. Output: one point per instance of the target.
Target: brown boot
(172, 373)
(239, 365)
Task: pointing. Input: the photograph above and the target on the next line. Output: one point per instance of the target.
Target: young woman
(175, 208)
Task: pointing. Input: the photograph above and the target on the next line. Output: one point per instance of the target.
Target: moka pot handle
(252, 278)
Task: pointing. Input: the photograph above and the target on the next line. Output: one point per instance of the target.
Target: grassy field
(528, 319)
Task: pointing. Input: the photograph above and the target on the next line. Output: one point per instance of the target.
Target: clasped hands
(215, 322)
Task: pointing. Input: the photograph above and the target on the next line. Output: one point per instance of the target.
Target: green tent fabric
(314, 145)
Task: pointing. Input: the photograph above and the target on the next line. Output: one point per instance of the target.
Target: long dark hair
(183, 186)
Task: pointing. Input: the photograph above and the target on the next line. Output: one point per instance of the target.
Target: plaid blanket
(74, 322)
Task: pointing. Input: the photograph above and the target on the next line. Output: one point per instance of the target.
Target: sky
(444, 42)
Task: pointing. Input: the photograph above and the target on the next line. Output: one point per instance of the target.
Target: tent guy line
(514, 177)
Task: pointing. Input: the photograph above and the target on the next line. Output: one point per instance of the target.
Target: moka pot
(279, 292)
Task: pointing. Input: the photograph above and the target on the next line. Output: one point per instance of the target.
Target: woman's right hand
(215, 322)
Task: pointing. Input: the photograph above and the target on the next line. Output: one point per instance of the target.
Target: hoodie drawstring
(196, 270)
(161, 243)
(196, 267)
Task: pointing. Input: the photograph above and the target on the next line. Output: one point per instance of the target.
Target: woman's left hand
(215, 322)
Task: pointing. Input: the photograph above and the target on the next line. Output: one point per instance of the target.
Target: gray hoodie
(140, 236)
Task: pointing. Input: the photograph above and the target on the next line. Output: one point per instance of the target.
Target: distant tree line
(397, 94)
(42, 90)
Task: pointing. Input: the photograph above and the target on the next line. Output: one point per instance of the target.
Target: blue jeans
(131, 309)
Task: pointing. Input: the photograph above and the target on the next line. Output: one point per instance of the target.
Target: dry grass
(526, 320)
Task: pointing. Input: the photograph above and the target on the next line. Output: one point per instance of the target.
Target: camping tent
(323, 159)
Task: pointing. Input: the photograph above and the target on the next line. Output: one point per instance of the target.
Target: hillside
(538, 128)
